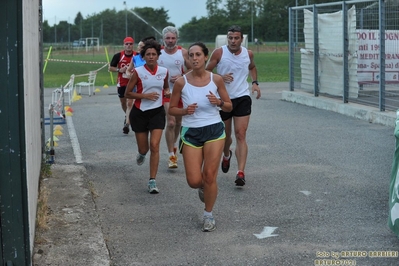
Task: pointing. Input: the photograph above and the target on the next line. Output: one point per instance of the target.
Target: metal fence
(336, 50)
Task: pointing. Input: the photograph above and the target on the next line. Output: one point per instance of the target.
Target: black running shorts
(143, 121)
(121, 91)
(241, 107)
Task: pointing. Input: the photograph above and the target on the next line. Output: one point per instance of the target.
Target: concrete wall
(31, 76)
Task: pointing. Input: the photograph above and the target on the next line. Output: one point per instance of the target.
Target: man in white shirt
(234, 63)
(175, 59)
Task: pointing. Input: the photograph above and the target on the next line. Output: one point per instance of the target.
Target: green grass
(271, 66)
(58, 73)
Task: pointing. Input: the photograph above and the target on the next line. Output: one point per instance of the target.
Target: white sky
(179, 11)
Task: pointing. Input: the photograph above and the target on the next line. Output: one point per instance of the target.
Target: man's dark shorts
(121, 91)
(241, 107)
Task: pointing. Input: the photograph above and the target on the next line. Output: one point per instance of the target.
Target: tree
(267, 18)
(46, 31)
(78, 19)
(212, 7)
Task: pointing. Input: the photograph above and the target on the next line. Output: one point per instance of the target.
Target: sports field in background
(271, 61)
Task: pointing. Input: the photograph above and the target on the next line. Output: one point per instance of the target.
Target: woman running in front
(202, 134)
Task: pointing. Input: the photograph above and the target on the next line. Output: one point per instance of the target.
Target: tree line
(265, 20)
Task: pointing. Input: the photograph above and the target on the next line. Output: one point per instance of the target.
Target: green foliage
(45, 170)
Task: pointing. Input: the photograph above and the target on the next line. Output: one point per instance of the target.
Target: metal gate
(347, 50)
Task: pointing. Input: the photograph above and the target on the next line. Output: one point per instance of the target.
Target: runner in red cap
(119, 63)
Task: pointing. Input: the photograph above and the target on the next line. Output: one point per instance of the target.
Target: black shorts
(197, 137)
(143, 121)
(121, 91)
(241, 107)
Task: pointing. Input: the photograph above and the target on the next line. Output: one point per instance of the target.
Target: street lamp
(124, 3)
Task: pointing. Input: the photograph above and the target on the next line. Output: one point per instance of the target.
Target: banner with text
(368, 67)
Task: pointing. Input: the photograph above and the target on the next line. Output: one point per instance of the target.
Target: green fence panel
(393, 218)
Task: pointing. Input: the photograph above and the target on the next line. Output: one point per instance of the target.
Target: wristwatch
(117, 70)
(256, 82)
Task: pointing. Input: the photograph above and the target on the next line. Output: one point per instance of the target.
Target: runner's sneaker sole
(240, 182)
(125, 129)
(209, 224)
(140, 159)
(201, 194)
(152, 187)
(153, 191)
(172, 163)
(226, 169)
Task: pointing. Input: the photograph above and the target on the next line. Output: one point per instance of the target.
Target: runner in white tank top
(173, 62)
(202, 135)
(175, 59)
(234, 62)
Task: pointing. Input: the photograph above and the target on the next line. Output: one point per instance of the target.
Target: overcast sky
(179, 11)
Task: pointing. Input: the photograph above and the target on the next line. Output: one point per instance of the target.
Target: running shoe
(240, 179)
(126, 129)
(152, 187)
(173, 161)
(201, 194)
(209, 224)
(226, 163)
(140, 159)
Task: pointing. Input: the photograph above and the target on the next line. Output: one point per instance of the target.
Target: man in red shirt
(119, 63)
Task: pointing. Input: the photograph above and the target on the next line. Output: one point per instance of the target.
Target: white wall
(31, 80)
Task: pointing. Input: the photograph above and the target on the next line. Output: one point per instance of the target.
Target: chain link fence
(347, 50)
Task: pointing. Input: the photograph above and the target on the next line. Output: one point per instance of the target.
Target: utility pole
(252, 21)
(80, 29)
(55, 29)
(69, 33)
(124, 3)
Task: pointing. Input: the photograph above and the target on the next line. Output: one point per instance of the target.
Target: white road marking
(307, 193)
(267, 232)
(74, 140)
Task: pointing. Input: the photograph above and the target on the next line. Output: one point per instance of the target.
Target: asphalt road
(317, 186)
